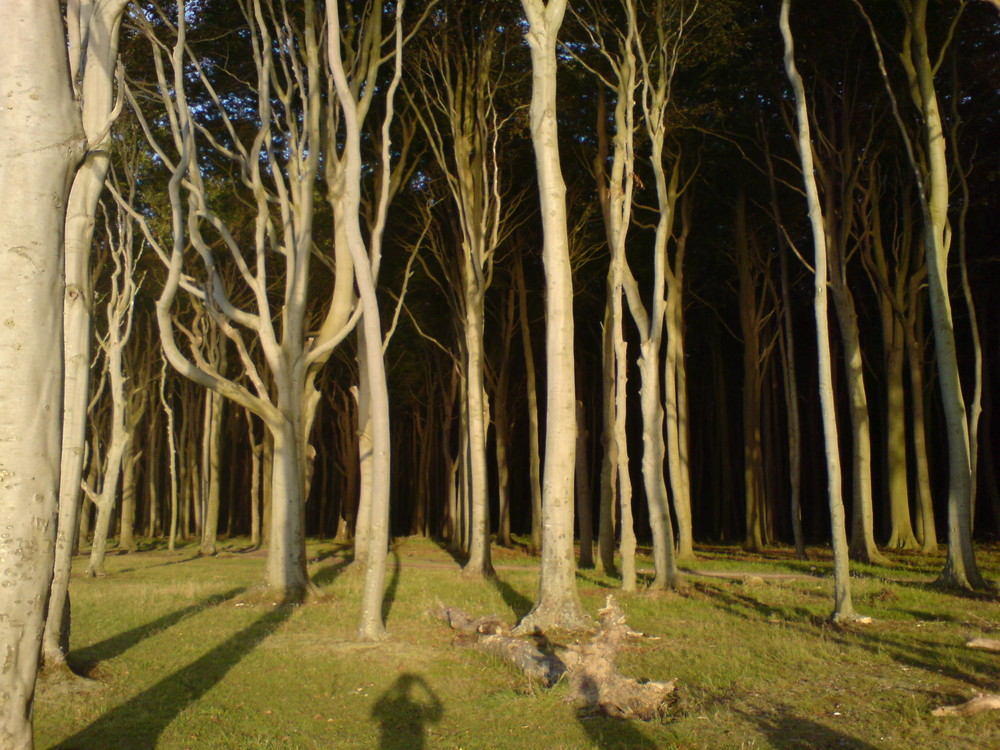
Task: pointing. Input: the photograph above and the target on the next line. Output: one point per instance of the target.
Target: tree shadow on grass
(785, 731)
(519, 604)
(86, 658)
(453, 552)
(389, 598)
(330, 573)
(139, 722)
(743, 605)
(609, 733)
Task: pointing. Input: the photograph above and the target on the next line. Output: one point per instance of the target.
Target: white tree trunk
(93, 43)
(41, 142)
(558, 603)
(286, 561)
(480, 562)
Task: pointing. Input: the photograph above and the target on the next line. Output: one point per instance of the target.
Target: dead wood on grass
(590, 668)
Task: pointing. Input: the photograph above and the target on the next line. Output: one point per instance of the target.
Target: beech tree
(42, 143)
(843, 609)
(558, 604)
(289, 102)
(455, 102)
(931, 172)
(92, 28)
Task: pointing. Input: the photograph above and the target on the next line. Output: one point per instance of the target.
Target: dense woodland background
(739, 218)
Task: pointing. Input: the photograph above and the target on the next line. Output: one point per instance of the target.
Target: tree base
(565, 615)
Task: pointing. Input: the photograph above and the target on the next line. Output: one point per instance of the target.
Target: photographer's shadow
(404, 710)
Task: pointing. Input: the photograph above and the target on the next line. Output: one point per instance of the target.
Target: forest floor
(182, 655)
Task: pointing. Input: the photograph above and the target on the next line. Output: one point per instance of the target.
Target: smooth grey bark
(609, 457)
(843, 609)
(41, 143)
(558, 604)
(961, 568)
(93, 50)
(366, 258)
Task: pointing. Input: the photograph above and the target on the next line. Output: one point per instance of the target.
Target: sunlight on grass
(184, 656)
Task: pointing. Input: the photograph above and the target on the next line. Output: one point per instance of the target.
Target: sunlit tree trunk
(366, 258)
(93, 51)
(558, 604)
(41, 143)
(609, 440)
(961, 568)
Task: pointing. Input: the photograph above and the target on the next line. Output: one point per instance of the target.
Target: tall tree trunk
(753, 459)
(609, 459)
(41, 142)
(843, 609)
(94, 46)
(171, 458)
(961, 568)
(901, 534)
(863, 535)
(480, 562)
(126, 537)
(926, 527)
(558, 604)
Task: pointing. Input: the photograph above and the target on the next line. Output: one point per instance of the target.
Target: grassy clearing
(184, 656)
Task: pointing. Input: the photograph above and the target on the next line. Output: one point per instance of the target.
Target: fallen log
(980, 703)
(491, 635)
(596, 685)
(988, 644)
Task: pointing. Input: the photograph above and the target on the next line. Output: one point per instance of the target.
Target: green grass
(183, 655)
